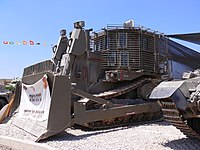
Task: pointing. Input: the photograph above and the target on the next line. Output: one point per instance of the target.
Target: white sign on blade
(35, 100)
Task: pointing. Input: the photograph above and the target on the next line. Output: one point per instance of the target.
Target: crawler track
(124, 121)
(123, 90)
(128, 119)
(172, 114)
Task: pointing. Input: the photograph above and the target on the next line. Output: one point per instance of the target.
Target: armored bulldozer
(95, 80)
(181, 103)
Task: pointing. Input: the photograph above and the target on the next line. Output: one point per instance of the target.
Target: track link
(123, 90)
(173, 115)
(125, 121)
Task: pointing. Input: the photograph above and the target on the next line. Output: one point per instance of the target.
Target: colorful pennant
(5, 42)
(24, 42)
(31, 42)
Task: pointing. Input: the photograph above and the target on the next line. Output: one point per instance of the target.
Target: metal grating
(131, 48)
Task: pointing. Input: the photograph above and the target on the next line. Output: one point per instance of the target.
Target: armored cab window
(111, 57)
(96, 45)
(145, 43)
(107, 42)
(124, 59)
(99, 44)
(122, 40)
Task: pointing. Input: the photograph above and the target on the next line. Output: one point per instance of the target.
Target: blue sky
(41, 21)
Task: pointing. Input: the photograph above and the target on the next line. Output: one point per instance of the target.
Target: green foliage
(10, 87)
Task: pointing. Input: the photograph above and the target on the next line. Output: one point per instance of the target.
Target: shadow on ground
(71, 137)
(183, 144)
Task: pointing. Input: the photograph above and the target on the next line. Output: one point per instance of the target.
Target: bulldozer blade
(17, 96)
(59, 113)
(177, 91)
(165, 89)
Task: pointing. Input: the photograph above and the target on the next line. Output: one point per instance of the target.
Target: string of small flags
(30, 42)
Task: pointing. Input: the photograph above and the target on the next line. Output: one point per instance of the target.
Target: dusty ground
(153, 136)
(161, 135)
(6, 148)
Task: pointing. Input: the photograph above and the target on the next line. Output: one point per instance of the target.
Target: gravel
(152, 136)
(4, 148)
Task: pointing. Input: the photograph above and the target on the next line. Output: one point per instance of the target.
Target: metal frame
(146, 60)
